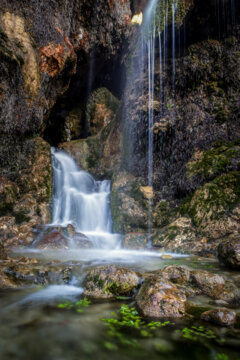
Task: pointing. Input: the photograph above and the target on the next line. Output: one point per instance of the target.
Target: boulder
(222, 317)
(161, 299)
(229, 252)
(176, 274)
(208, 283)
(52, 238)
(108, 282)
(214, 286)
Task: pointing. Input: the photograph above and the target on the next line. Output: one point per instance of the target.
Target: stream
(37, 321)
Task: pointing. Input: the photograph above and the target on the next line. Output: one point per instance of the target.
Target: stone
(102, 107)
(22, 271)
(161, 299)
(71, 231)
(166, 257)
(108, 282)
(229, 252)
(135, 240)
(3, 254)
(176, 274)
(52, 239)
(147, 192)
(221, 316)
(210, 284)
(128, 204)
(179, 235)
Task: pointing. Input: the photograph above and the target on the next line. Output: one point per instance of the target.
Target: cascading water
(80, 200)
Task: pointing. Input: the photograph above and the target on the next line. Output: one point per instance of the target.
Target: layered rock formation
(62, 64)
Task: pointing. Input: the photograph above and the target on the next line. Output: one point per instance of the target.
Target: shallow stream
(33, 326)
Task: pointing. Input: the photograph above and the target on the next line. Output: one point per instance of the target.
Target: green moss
(222, 114)
(214, 199)
(216, 161)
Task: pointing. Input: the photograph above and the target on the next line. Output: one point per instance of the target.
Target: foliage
(78, 306)
(221, 357)
(122, 324)
(197, 333)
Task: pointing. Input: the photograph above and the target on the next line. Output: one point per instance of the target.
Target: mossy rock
(102, 107)
(128, 204)
(108, 282)
(216, 161)
(214, 199)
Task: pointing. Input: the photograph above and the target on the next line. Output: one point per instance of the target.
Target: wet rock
(3, 254)
(215, 286)
(98, 154)
(166, 257)
(81, 241)
(210, 284)
(53, 238)
(176, 274)
(71, 231)
(180, 235)
(108, 282)
(135, 240)
(147, 192)
(128, 204)
(221, 316)
(22, 271)
(229, 252)
(101, 109)
(161, 299)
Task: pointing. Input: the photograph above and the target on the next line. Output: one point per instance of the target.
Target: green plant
(221, 357)
(121, 326)
(78, 306)
(196, 333)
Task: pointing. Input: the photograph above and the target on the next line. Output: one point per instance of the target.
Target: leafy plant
(122, 324)
(195, 333)
(221, 357)
(78, 306)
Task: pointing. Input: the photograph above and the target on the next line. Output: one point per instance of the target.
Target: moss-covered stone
(128, 204)
(216, 161)
(214, 199)
(102, 107)
(108, 282)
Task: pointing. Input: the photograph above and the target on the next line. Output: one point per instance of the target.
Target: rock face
(128, 203)
(195, 137)
(25, 201)
(108, 282)
(102, 107)
(222, 317)
(229, 252)
(161, 299)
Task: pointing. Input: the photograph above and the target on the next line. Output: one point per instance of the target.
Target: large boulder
(53, 238)
(222, 317)
(229, 252)
(108, 282)
(214, 286)
(159, 298)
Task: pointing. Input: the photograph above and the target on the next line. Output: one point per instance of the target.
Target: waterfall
(80, 200)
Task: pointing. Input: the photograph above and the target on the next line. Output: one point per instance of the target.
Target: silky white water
(80, 200)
